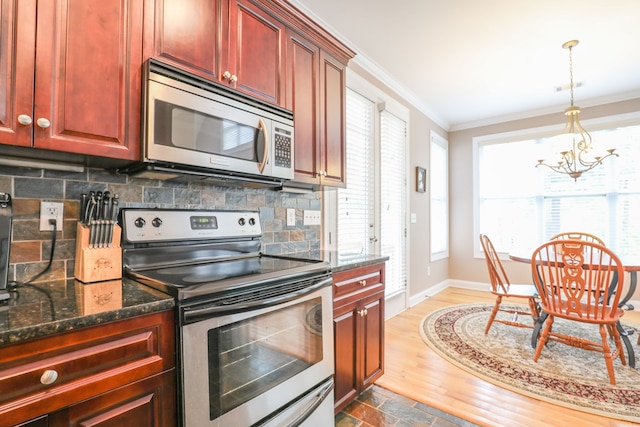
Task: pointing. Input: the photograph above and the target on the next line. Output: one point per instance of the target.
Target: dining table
(631, 265)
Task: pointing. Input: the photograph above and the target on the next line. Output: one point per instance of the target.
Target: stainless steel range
(255, 335)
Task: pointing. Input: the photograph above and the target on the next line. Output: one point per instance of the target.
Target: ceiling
(466, 63)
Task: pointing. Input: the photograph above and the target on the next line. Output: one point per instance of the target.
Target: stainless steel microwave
(197, 127)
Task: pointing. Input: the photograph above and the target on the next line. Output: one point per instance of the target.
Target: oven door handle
(195, 314)
(320, 397)
(305, 410)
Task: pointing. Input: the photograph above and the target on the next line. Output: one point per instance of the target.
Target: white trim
(620, 97)
(395, 304)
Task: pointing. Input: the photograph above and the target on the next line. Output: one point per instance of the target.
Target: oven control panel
(163, 225)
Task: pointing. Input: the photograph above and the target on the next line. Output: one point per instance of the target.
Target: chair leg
(615, 334)
(607, 354)
(493, 314)
(535, 313)
(544, 337)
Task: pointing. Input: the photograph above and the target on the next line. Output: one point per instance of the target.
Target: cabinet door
(345, 326)
(373, 339)
(187, 33)
(302, 98)
(254, 51)
(150, 402)
(88, 77)
(333, 121)
(18, 30)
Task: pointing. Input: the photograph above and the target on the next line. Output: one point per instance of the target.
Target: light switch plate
(291, 217)
(312, 217)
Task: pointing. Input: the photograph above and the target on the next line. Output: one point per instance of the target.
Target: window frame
(592, 125)
(437, 139)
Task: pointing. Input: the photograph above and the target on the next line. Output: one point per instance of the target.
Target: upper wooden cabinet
(270, 50)
(317, 97)
(233, 42)
(71, 80)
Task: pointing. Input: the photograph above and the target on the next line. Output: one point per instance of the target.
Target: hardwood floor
(415, 371)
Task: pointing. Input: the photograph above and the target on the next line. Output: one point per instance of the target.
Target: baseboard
(464, 284)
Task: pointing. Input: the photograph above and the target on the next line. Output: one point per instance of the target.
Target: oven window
(249, 357)
(185, 128)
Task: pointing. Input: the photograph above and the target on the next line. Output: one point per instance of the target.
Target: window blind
(521, 203)
(439, 197)
(393, 140)
(356, 209)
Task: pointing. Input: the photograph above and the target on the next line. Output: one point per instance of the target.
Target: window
(517, 202)
(356, 216)
(393, 141)
(371, 211)
(439, 197)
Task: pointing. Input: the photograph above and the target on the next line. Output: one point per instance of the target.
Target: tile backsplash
(31, 248)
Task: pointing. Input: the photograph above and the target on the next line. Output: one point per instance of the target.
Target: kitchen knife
(83, 204)
(91, 221)
(114, 215)
(104, 223)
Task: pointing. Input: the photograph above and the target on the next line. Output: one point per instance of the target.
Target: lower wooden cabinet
(358, 320)
(143, 403)
(116, 373)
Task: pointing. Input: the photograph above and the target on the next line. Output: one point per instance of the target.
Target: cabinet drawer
(367, 278)
(43, 375)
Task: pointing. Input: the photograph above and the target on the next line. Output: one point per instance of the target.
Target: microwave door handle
(263, 136)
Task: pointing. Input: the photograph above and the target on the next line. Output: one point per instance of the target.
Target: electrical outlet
(291, 217)
(50, 210)
(312, 218)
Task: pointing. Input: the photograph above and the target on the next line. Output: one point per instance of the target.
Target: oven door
(244, 368)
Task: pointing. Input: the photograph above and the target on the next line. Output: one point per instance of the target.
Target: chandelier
(575, 161)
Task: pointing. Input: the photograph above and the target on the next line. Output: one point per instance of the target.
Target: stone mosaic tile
(380, 407)
(28, 187)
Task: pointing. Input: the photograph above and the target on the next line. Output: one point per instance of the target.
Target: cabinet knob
(49, 377)
(231, 77)
(363, 282)
(365, 312)
(24, 119)
(43, 123)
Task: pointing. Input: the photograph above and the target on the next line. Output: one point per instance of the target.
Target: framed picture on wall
(421, 179)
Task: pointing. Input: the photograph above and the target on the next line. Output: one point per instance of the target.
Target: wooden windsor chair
(578, 235)
(501, 287)
(574, 278)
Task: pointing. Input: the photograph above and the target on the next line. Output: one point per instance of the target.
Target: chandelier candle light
(575, 162)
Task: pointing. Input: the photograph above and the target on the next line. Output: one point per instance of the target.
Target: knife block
(97, 264)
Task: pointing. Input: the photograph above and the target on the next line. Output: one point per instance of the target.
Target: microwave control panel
(283, 143)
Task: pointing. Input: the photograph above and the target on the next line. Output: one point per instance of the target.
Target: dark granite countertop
(341, 261)
(49, 308)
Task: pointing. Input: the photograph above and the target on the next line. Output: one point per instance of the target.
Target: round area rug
(564, 375)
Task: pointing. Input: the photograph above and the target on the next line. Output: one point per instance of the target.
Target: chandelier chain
(575, 161)
(571, 72)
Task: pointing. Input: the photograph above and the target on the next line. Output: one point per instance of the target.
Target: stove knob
(156, 222)
(241, 221)
(140, 222)
(252, 221)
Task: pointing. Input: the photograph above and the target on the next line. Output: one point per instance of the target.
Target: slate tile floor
(378, 407)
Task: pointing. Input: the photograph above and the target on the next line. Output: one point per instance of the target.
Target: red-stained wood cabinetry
(71, 80)
(233, 42)
(358, 320)
(117, 373)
